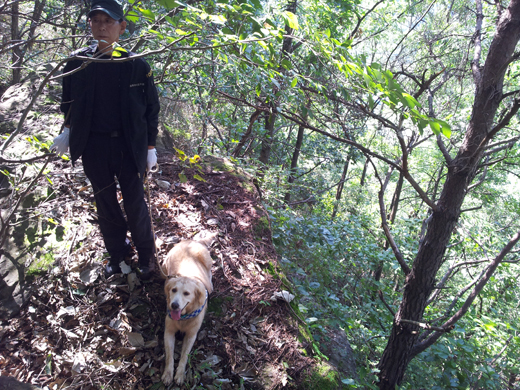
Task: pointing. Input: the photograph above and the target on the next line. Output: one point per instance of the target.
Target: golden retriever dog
(188, 284)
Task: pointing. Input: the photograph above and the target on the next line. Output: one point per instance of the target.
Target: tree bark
(16, 56)
(271, 119)
(393, 213)
(294, 161)
(265, 152)
(420, 281)
(339, 191)
(364, 174)
(245, 137)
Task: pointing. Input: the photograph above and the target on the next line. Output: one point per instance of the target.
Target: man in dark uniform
(111, 116)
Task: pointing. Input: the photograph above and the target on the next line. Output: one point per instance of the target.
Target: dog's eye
(174, 290)
(186, 293)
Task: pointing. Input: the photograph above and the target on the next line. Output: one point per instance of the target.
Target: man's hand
(61, 142)
(151, 160)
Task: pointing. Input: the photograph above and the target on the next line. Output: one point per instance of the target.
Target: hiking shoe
(113, 267)
(114, 264)
(146, 267)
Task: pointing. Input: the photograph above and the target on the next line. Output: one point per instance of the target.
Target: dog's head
(183, 295)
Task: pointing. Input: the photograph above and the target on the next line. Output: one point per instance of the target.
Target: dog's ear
(198, 295)
(208, 239)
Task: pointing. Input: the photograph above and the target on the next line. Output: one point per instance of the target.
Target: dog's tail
(206, 238)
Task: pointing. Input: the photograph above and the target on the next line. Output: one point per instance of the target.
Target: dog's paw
(167, 377)
(179, 377)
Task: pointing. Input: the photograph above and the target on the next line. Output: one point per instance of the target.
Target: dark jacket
(139, 104)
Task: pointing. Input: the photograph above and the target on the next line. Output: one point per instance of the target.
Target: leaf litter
(82, 331)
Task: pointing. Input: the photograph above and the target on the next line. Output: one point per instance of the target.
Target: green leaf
(370, 102)
(368, 80)
(436, 127)
(132, 16)
(421, 124)
(147, 13)
(291, 19)
(199, 178)
(181, 155)
(411, 102)
(183, 178)
(445, 128)
(294, 82)
(286, 64)
(217, 19)
(194, 159)
(258, 90)
(48, 364)
(169, 4)
(327, 32)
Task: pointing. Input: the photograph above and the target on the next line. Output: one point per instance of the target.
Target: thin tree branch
(360, 20)
(487, 274)
(475, 63)
(409, 31)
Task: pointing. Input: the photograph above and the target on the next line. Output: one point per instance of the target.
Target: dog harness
(192, 314)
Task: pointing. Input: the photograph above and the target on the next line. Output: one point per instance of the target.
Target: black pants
(104, 159)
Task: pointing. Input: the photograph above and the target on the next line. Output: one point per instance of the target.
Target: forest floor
(82, 331)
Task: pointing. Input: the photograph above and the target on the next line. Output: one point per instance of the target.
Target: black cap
(112, 8)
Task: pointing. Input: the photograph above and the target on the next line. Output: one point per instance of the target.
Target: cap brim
(109, 13)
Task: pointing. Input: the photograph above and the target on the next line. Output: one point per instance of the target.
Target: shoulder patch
(149, 74)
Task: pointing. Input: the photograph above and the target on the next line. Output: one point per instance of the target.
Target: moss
(261, 228)
(322, 376)
(271, 270)
(225, 165)
(247, 185)
(41, 265)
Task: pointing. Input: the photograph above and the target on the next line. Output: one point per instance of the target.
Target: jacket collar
(93, 47)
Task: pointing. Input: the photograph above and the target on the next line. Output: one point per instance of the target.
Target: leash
(147, 179)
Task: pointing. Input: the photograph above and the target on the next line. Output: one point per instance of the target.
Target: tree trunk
(271, 119)
(364, 174)
(16, 57)
(294, 161)
(394, 206)
(287, 46)
(268, 140)
(245, 137)
(393, 213)
(340, 189)
(461, 171)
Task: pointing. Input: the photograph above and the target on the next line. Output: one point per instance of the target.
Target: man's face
(105, 29)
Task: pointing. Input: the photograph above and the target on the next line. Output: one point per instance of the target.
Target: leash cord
(147, 182)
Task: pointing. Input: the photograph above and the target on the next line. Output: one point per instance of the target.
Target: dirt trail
(80, 331)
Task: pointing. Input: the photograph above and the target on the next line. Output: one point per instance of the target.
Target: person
(111, 113)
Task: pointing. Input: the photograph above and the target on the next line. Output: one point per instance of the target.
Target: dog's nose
(175, 306)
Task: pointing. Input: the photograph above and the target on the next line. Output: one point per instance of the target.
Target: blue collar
(192, 314)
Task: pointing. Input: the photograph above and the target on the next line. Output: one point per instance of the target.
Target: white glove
(151, 160)
(61, 142)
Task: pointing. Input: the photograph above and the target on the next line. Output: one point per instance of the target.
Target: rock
(340, 353)
(9, 383)
(14, 293)
(15, 98)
